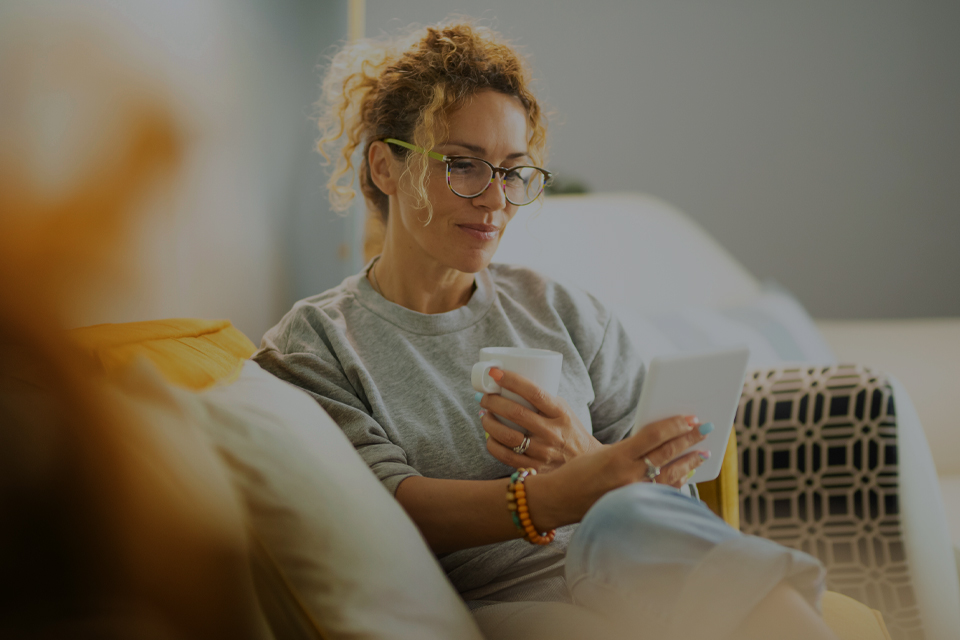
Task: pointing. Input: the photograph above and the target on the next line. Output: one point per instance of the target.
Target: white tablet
(706, 385)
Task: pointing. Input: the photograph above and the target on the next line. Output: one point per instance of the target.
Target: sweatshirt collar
(424, 323)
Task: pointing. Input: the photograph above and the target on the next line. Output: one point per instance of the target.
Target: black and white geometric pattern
(818, 472)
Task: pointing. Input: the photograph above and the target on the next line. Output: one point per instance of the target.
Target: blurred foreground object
(116, 521)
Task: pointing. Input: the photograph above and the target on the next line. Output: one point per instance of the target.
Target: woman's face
(464, 233)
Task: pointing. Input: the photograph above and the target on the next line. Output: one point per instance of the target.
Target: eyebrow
(480, 150)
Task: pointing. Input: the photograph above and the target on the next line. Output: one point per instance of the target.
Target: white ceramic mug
(540, 366)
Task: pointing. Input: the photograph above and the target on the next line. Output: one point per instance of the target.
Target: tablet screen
(706, 385)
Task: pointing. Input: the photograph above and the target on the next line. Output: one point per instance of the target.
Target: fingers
(656, 434)
(671, 449)
(500, 447)
(540, 399)
(501, 432)
(517, 413)
(675, 474)
(509, 457)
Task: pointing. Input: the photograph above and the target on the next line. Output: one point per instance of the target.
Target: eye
(464, 167)
(517, 177)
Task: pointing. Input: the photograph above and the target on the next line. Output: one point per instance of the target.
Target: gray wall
(319, 247)
(818, 141)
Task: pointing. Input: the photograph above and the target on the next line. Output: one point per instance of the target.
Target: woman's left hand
(556, 434)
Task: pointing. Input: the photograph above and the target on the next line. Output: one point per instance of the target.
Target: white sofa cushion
(351, 555)
(950, 492)
(926, 533)
(674, 288)
(637, 254)
(775, 327)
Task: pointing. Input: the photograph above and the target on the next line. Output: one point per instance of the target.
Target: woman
(452, 140)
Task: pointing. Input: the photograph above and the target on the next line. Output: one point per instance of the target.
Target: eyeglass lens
(469, 177)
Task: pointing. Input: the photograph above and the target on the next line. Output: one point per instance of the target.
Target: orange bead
(517, 502)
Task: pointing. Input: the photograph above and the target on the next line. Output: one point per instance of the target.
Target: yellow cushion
(851, 620)
(722, 494)
(189, 353)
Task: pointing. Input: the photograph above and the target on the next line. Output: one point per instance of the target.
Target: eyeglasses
(469, 177)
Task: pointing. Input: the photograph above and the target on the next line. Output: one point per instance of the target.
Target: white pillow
(674, 288)
(340, 540)
(636, 253)
(773, 324)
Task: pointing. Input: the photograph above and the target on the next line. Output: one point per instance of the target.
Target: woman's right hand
(563, 496)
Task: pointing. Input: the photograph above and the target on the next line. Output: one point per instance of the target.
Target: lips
(481, 231)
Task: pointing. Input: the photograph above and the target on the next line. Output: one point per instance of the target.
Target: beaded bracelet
(520, 513)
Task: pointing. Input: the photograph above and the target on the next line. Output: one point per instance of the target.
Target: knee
(656, 517)
(644, 507)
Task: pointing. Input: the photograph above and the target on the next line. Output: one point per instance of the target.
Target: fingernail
(706, 428)
(496, 374)
(478, 397)
(482, 412)
(486, 436)
(703, 454)
(692, 420)
(690, 475)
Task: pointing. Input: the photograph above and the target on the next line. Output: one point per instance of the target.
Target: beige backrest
(636, 253)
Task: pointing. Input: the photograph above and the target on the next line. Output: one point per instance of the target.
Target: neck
(422, 285)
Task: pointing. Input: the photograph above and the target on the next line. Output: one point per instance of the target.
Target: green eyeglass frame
(494, 170)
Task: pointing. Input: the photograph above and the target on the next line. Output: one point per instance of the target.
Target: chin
(472, 261)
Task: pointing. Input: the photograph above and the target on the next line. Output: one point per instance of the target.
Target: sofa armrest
(722, 495)
(924, 355)
(833, 462)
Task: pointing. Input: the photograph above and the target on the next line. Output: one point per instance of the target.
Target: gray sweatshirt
(398, 384)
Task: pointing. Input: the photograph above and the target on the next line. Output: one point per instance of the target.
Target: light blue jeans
(646, 557)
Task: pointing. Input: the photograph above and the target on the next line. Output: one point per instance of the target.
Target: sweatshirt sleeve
(617, 373)
(614, 367)
(296, 352)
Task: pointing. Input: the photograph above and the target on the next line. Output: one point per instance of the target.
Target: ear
(384, 168)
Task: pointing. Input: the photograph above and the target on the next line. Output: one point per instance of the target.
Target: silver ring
(521, 448)
(652, 470)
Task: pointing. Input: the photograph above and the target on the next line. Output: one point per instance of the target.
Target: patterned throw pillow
(819, 472)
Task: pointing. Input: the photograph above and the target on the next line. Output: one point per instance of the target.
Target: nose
(494, 197)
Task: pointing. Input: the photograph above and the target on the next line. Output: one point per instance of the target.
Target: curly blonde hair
(404, 88)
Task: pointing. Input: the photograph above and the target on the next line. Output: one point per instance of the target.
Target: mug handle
(480, 376)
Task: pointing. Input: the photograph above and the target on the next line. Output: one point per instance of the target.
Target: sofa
(676, 289)
(316, 516)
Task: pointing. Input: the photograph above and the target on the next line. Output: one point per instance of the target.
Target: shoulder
(531, 288)
(305, 327)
